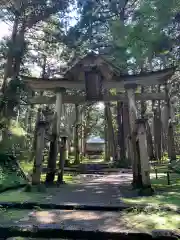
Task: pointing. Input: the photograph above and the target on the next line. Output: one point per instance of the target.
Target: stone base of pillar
(146, 191)
(137, 182)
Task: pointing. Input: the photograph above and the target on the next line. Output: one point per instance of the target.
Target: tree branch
(36, 17)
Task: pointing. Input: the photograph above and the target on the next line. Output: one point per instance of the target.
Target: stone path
(90, 190)
(93, 190)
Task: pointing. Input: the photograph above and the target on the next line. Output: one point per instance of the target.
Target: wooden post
(156, 173)
(168, 178)
(144, 158)
(62, 159)
(36, 176)
(137, 179)
(38, 118)
(55, 138)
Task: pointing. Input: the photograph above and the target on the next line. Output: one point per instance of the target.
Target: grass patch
(91, 160)
(22, 196)
(160, 169)
(166, 195)
(10, 179)
(148, 221)
(12, 216)
(26, 166)
(67, 178)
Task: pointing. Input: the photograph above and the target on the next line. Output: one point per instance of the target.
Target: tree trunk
(121, 140)
(149, 142)
(52, 155)
(86, 129)
(110, 131)
(171, 143)
(143, 105)
(126, 128)
(137, 178)
(12, 69)
(9, 63)
(62, 159)
(82, 135)
(164, 120)
(157, 134)
(170, 134)
(76, 142)
(38, 118)
(143, 153)
(55, 139)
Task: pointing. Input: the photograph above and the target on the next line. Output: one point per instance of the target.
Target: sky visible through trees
(4, 29)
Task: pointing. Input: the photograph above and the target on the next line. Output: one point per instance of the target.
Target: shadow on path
(91, 190)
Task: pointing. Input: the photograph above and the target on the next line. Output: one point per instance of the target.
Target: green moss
(166, 195)
(22, 196)
(11, 216)
(148, 221)
(15, 140)
(31, 196)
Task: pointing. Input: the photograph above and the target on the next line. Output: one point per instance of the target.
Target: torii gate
(94, 74)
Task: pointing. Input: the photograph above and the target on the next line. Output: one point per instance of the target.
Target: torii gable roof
(74, 77)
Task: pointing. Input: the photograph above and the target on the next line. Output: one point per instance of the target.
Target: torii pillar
(143, 152)
(138, 142)
(137, 179)
(55, 137)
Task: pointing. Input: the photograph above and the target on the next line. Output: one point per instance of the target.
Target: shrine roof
(74, 77)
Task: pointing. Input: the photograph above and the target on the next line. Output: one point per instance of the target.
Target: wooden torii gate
(96, 76)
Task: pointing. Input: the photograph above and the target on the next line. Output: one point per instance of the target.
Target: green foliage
(175, 166)
(14, 143)
(94, 121)
(10, 174)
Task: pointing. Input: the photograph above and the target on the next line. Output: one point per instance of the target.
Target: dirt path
(91, 190)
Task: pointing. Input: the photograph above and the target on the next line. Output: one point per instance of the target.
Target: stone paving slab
(72, 220)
